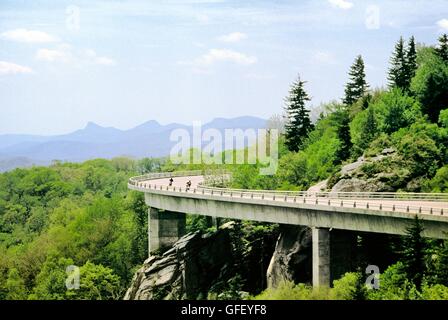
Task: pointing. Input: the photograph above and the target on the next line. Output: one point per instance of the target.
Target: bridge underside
(331, 227)
(331, 250)
(352, 219)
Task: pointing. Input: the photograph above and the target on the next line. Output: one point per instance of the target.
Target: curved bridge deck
(357, 211)
(388, 213)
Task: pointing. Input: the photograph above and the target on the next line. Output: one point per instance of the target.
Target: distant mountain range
(149, 139)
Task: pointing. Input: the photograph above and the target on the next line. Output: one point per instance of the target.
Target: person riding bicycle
(171, 182)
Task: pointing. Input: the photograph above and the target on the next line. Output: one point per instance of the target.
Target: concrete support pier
(342, 252)
(321, 257)
(213, 221)
(164, 228)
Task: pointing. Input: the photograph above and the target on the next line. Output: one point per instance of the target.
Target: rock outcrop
(186, 271)
(198, 262)
(370, 174)
(291, 260)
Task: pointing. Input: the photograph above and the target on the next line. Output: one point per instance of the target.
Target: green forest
(82, 214)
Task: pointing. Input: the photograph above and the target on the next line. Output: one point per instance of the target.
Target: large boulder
(186, 271)
(292, 257)
(380, 173)
(291, 260)
(360, 185)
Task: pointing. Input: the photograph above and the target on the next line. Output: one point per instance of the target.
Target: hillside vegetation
(83, 215)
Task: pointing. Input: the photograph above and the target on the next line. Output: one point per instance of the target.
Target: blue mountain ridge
(150, 139)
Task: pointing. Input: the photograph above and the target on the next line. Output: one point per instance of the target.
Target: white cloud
(324, 57)
(65, 53)
(28, 36)
(203, 64)
(12, 68)
(105, 61)
(90, 53)
(92, 56)
(341, 4)
(53, 55)
(233, 37)
(222, 55)
(443, 24)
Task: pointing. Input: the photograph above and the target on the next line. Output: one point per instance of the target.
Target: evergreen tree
(442, 264)
(15, 286)
(414, 253)
(357, 85)
(442, 49)
(369, 131)
(411, 62)
(140, 237)
(430, 84)
(398, 70)
(360, 290)
(343, 131)
(298, 123)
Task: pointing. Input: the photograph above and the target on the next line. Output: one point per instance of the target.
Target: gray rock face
(348, 168)
(185, 271)
(319, 187)
(291, 260)
(354, 166)
(353, 179)
(359, 185)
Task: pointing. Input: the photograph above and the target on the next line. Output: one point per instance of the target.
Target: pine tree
(398, 70)
(357, 85)
(343, 131)
(442, 49)
(360, 291)
(298, 123)
(442, 264)
(411, 62)
(414, 253)
(369, 131)
(15, 286)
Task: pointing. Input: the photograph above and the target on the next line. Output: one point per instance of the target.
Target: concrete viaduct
(387, 213)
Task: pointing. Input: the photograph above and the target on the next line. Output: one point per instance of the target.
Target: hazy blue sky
(120, 63)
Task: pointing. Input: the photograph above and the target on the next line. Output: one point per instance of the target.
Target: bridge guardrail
(350, 195)
(362, 200)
